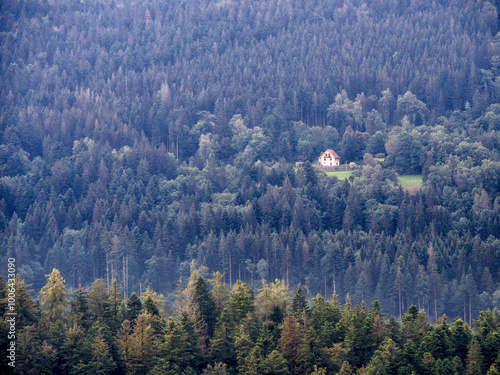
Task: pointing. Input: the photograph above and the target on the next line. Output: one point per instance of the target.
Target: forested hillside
(223, 331)
(142, 140)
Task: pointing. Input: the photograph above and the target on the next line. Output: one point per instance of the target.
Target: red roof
(333, 153)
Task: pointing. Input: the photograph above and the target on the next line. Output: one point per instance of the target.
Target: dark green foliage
(79, 308)
(223, 342)
(241, 300)
(335, 338)
(325, 318)
(360, 336)
(145, 139)
(150, 307)
(205, 304)
(134, 307)
(299, 303)
(178, 350)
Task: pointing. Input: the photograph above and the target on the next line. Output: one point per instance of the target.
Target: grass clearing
(341, 175)
(411, 182)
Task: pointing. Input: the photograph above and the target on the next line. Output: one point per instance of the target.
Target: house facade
(329, 158)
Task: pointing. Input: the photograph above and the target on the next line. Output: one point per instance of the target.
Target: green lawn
(341, 175)
(411, 182)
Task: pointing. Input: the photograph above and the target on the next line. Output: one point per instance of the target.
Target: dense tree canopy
(144, 140)
(328, 337)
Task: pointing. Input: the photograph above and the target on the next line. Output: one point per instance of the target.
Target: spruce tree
(134, 307)
(205, 304)
(299, 303)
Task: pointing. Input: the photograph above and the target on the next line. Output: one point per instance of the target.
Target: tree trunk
(107, 270)
(399, 293)
(470, 312)
(124, 278)
(435, 306)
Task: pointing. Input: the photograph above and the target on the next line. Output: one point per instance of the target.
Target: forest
(144, 142)
(218, 330)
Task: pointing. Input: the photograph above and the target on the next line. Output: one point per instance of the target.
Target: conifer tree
(274, 364)
(177, 349)
(141, 346)
(78, 313)
(290, 342)
(114, 305)
(204, 302)
(360, 338)
(244, 346)
(26, 309)
(124, 342)
(299, 303)
(223, 342)
(220, 291)
(493, 370)
(241, 300)
(53, 296)
(346, 369)
(310, 352)
(134, 307)
(157, 299)
(150, 307)
(102, 362)
(76, 347)
(98, 299)
(475, 359)
(217, 369)
(27, 347)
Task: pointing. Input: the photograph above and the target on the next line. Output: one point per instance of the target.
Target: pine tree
(346, 369)
(393, 329)
(217, 369)
(76, 348)
(25, 307)
(134, 307)
(274, 364)
(325, 317)
(310, 352)
(299, 303)
(124, 342)
(177, 349)
(266, 342)
(27, 347)
(475, 359)
(113, 306)
(244, 346)
(98, 299)
(460, 337)
(141, 346)
(204, 302)
(290, 342)
(53, 296)
(272, 295)
(46, 358)
(241, 300)
(360, 338)
(102, 362)
(150, 307)
(223, 342)
(78, 313)
(220, 291)
(157, 299)
(493, 371)
(414, 325)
